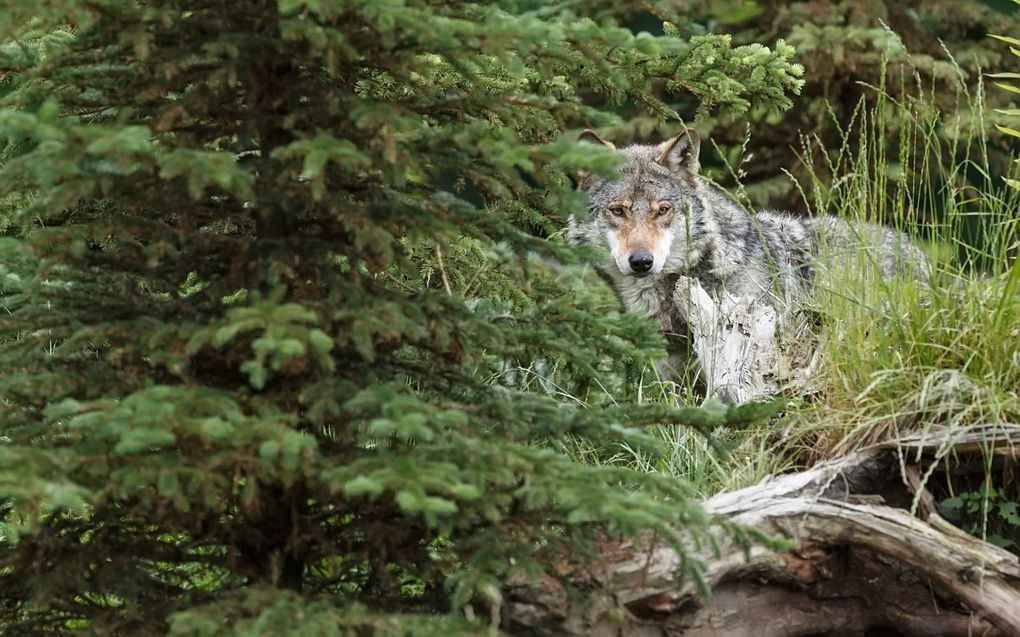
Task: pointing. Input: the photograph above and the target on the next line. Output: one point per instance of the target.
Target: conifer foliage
(931, 52)
(243, 391)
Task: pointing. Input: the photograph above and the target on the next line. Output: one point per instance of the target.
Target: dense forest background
(928, 54)
(292, 342)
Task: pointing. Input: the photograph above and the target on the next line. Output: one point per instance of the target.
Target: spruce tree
(264, 269)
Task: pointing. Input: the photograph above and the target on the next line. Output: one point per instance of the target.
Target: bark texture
(747, 349)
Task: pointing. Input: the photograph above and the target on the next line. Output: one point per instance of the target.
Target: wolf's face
(650, 219)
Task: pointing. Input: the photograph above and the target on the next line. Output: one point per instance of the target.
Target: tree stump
(747, 349)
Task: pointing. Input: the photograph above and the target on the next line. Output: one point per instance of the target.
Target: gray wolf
(660, 224)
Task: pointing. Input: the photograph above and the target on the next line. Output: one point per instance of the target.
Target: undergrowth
(907, 354)
(898, 355)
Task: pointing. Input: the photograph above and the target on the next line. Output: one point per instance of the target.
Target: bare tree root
(871, 556)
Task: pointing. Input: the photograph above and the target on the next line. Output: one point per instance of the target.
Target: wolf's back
(838, 242)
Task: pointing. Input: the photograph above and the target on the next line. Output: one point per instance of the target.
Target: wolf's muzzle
(641, 262)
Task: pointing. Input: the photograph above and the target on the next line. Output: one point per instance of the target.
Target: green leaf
(66, 496)
(269, 449)
(363, 486)
(202, 170)
(414, 503)
(465, 491)
(256, 372)
(130, 139)
(1010, 513)
(320, 341)
(143, 439)
(362, 335)
(168, 484)
(227, 333)
(1006, 38)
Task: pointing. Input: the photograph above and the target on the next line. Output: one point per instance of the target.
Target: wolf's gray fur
(661, 222)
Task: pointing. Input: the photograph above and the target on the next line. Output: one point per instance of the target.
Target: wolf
(661, 225)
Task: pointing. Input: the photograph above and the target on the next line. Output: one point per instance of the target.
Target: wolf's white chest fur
(652, 297)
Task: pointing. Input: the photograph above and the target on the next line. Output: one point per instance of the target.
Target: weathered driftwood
(746, 348)
(871, 554)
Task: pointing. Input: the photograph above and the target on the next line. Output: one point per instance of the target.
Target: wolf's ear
(680, 154)
(584, 179)
(588, 135)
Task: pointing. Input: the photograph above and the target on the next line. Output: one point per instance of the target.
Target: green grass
(904, 354)
(749, 456)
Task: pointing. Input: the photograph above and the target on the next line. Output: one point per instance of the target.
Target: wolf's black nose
(641, 262)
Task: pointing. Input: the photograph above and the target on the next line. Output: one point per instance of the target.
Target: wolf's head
(652, 219)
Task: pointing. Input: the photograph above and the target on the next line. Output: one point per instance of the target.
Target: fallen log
(871, 556)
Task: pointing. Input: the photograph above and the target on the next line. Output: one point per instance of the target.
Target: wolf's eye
(616, 209)
(664, 208)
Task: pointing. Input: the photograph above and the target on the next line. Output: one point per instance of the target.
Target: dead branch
(864, 560)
